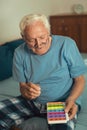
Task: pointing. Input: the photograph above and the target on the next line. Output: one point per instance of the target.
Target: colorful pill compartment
(56, 113)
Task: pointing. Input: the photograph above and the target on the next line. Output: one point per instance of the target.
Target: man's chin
(40, 52)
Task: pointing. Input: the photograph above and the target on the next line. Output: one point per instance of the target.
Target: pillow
(5, 62)
(6, 58)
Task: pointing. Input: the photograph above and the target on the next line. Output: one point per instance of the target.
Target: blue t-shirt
(54, 71)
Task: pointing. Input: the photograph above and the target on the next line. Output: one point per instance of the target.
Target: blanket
(13, 111)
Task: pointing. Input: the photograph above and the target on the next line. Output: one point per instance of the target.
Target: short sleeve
(18, 68)
(74, 59)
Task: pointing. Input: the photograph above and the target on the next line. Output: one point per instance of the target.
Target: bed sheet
(9, 88)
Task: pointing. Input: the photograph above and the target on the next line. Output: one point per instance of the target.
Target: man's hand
(30, 90)
(71, 108)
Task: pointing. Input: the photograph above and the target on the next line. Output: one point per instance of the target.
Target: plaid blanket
(13, 112)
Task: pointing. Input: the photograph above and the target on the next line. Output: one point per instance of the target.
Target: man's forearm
(77, 88)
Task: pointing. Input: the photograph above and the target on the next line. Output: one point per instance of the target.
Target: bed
(10, 88)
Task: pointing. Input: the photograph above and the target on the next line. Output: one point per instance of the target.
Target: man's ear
(22, 35)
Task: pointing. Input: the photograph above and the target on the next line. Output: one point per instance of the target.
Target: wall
(66, 6)
(11, 11)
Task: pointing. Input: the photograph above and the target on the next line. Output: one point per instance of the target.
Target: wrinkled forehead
(35, 29)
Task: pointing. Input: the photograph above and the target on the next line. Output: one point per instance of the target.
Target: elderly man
(48, 68)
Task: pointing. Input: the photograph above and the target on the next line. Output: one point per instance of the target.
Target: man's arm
(77, 89)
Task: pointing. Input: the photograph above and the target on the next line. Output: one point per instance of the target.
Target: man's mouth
(40, 46)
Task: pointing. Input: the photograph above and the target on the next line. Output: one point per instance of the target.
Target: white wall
(11, 12)
(66, 6)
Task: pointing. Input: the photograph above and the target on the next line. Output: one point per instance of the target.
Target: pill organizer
(56, 113)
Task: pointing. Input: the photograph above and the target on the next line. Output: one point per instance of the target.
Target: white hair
(29, 19)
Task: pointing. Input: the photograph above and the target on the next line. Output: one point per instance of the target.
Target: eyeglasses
(41, 38)
(33, 41)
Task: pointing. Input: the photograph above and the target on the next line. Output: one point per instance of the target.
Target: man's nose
(38, 42)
